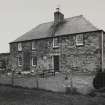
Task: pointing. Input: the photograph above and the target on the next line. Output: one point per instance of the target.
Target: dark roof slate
(77, 24)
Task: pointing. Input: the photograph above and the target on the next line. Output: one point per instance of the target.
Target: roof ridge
(74, 16)
(64, 19)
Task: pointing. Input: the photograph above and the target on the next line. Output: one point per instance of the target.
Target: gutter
(56, 36)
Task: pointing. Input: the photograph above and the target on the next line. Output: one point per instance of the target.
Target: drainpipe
(102, 55)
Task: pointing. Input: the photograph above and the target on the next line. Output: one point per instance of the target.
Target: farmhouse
(65, 44)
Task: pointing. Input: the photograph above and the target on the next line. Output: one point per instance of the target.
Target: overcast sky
(19, 16)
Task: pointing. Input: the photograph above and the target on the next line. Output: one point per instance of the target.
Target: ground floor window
(19, 61)
(34, 61)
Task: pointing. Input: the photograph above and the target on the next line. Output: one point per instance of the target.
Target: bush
(70, 90)
(99, 80)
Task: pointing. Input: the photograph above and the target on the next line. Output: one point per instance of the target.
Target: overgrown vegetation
(99, 80)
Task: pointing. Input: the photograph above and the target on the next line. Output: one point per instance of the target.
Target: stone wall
(84, 58)
(43, 51)
(81, 83)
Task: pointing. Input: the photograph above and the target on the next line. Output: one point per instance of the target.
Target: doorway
(56, 63)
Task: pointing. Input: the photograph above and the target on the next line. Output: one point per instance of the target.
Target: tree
(3, 64)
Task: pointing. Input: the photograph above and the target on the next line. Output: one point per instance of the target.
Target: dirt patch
(21, 96)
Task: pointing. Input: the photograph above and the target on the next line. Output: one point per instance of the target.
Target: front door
(56, 63)
(26, 61)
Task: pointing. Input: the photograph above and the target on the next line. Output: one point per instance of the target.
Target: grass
(22, 96)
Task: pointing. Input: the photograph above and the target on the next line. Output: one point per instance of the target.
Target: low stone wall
(52, 84)
(5, 80)
(83, 84)
(25, 82)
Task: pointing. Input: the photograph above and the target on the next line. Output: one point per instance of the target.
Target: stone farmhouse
(61, 45)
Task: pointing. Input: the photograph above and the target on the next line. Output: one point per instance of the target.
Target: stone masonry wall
(83, 58)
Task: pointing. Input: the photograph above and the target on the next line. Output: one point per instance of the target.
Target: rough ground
(21, 96)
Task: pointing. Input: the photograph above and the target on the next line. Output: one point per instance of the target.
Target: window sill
(55, 46)
(19, 50)
(19, 65)
(33, 48)
(80, 45)
(33, 65)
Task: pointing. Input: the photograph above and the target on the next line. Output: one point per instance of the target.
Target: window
(33, 45)
(19, 46)
(19, 61)
(79, 39)
(48, 44)
(34, 61)
(55, 42)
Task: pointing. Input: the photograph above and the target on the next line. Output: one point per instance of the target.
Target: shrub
(99, 80)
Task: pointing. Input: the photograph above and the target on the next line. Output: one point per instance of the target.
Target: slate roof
(77, 24)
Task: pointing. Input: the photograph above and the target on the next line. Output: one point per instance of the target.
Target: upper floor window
(19, 61)
(34, 61)
(79, 39)
(33, 45)
(19, 46)
(55, 42)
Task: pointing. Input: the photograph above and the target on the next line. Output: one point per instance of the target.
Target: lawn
(21, 96)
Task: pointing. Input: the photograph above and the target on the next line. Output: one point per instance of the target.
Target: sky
(19, 16)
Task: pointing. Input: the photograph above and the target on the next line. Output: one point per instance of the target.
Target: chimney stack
(58, 16)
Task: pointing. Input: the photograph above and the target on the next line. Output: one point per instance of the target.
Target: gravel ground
(21, 96)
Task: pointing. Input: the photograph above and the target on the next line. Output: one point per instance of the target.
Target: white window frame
(19, 46)
(20, 64)
(33, 61)
(55, 46)
(33, 45)
(79, 40)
